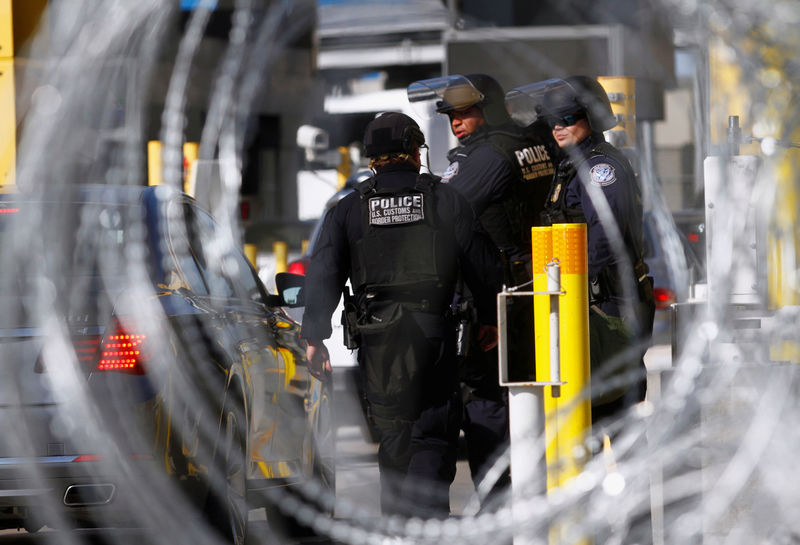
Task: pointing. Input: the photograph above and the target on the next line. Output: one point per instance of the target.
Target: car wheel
(227, 509)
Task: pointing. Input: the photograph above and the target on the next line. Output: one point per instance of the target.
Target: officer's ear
(412, 139)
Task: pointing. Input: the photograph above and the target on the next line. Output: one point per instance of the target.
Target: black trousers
(486, 418)
(485, 426)
(412, 393)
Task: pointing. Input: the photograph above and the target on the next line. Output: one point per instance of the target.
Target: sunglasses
(565, 121)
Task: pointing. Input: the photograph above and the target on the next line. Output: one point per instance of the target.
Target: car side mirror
(291, 289)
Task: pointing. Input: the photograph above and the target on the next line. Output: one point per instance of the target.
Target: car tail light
(87, 458)
(297, 267)
(664, 298)
(123, 349)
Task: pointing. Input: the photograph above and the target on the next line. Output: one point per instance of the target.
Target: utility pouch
(392, 368)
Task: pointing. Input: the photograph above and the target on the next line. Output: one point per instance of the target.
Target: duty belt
(413, 301)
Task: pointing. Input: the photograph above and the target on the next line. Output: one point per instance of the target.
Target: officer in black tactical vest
(596, 184)
(504, 171)
(402, 239)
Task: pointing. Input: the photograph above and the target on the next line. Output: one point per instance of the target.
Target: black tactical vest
(397, 256)
(533, 166)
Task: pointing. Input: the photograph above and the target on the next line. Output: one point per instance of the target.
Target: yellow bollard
(6, 29)
(155, 175)
(541, 254)
(568, 418)
(191, 150)
(574, 406)
(251, 252)
(344, 168)
(8, 122)
(8, 127)
(281, 251)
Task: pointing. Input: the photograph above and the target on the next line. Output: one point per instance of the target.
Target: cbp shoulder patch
(603, 174)
(451, 171)
(396, 210)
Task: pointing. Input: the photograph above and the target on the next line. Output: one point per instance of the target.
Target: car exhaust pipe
(81, 495)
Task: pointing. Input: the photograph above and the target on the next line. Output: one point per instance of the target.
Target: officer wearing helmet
(596, 184)
(504, 171)
(402, 239)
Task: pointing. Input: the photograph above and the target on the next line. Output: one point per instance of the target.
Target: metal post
(526, 411)
(528, 463)
(554, 287)
(502, 336)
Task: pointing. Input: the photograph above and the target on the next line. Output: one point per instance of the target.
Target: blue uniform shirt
(620, 188)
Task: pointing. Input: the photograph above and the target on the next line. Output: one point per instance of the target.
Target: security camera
(312, 138)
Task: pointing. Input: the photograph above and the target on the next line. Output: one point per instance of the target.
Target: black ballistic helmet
(392, 132)
(490, 99)
(581, 94)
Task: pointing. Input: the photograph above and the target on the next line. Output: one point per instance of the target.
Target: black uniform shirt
(330, 263)
(505, 174)
(484, 176)
(479, 172)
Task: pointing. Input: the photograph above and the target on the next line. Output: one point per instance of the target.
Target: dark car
(146, 370)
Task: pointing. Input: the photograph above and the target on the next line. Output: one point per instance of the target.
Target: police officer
(504, 171)
(596, 184)
(402, 238)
